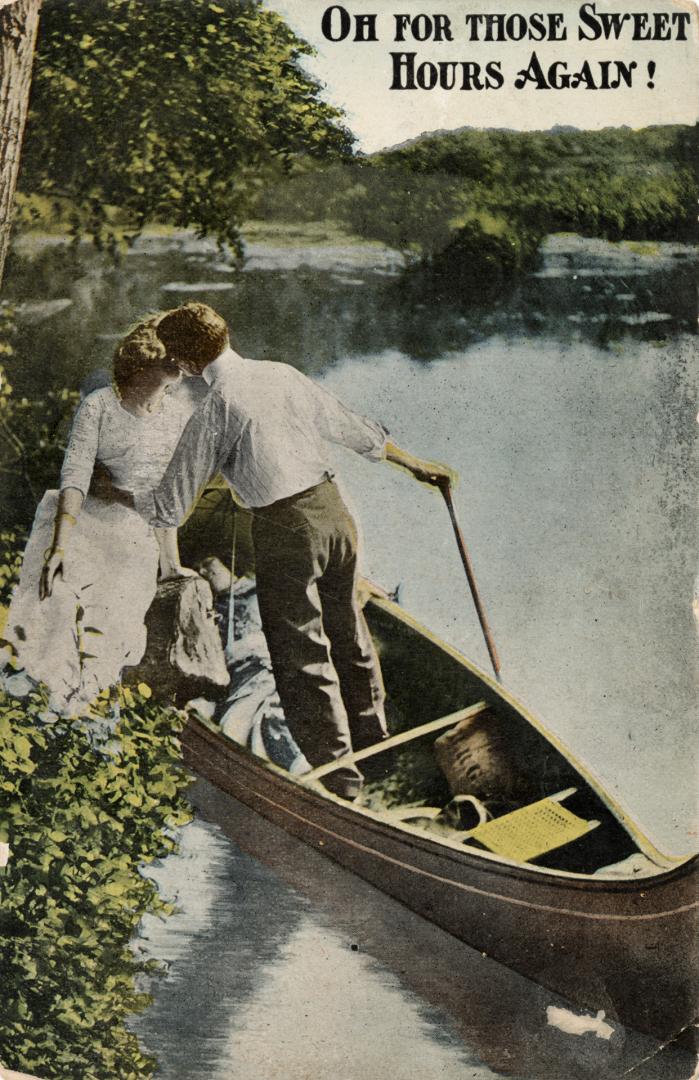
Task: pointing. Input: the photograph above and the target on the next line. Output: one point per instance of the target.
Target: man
(263, 425)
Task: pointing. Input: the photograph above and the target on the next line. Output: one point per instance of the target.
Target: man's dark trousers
(325, 666)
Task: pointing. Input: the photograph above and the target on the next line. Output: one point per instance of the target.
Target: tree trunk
(19, 22)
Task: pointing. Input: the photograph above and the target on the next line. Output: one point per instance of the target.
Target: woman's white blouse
(135, 449)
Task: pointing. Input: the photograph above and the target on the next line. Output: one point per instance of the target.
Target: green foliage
(410, 213)
(169, 111)
(32, 436)
(11, 544)
(473, 206)
(616, 207)
(83, 809)
(614, 183)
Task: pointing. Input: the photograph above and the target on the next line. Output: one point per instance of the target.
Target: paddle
(445, 488)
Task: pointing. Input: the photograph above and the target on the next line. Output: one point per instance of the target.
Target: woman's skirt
(78, 640)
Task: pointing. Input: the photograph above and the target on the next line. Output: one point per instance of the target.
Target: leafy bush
(32, 436)
(83, 805)
(10, 564)
(483, 257)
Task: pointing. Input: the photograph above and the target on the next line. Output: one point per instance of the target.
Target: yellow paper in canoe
(531, 831)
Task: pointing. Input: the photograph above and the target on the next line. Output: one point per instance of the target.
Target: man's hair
(194, 333)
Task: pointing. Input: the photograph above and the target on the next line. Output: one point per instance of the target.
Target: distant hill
(557, 129)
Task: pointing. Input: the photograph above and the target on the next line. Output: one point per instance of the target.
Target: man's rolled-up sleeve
(204, 444)
(339, 424)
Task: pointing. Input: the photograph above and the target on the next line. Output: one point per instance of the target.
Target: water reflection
(297, 969)
(324, 306)
(572, 429)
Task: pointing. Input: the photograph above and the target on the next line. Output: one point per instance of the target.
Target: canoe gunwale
(644, 844)
(458, 856)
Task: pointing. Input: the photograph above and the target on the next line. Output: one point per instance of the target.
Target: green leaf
(22, 746)
(114, 888)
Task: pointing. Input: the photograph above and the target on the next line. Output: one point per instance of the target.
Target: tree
(18, 27)
(169, 111)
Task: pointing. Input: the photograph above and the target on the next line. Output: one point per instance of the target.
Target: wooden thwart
(394, 740)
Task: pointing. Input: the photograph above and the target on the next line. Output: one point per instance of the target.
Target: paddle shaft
(230, 628)
(468, 567)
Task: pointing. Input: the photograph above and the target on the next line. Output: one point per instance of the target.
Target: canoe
(560, 885)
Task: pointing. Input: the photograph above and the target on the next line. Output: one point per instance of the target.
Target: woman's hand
(70, 501)
(53, 565)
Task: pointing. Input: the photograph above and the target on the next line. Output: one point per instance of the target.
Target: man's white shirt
(263, 426)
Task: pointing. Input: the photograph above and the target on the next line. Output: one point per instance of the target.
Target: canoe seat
(532, 830)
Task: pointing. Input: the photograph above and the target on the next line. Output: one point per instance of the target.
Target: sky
(357, 75)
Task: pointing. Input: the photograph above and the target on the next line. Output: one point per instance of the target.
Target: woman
(90, 567)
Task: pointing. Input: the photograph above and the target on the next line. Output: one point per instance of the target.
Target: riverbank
(322, 245)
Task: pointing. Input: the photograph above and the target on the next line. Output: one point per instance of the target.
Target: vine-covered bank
(84, 807)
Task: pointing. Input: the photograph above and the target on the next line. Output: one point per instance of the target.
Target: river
(569, 409)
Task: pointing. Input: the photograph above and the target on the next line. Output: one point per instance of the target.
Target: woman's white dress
(78, 640)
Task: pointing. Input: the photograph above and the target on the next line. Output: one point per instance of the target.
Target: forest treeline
(202, 115)
(484, 199)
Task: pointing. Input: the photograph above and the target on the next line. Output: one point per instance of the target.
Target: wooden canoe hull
(628, 948)
(625, 946)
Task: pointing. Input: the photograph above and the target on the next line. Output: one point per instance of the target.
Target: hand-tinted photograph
(349, 599)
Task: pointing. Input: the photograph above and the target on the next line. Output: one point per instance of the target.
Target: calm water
(569, 409)
(285, 966)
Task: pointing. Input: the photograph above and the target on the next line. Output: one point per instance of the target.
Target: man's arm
(339, 424)
(427, 472)
(204, 444)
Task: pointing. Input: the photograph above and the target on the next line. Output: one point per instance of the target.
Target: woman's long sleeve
(79, 459)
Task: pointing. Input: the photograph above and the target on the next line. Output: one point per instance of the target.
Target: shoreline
(322, 245)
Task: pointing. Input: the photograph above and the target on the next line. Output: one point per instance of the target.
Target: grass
(641, 247)
(41, 222)
(310, 233)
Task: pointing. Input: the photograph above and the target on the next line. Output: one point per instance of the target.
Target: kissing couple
(91, 564)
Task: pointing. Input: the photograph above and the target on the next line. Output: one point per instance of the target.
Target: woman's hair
(139, 350)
